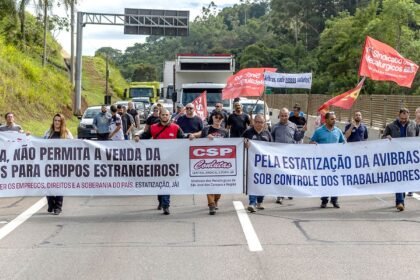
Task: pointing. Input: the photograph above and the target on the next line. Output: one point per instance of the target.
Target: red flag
(200, 105)
(344, 100)
(380, 62)
(247, 82)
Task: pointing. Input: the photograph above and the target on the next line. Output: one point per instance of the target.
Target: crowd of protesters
(122, 124)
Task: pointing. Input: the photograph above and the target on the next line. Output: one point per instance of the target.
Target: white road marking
(254, 244)
(3, 222)
(4, 231)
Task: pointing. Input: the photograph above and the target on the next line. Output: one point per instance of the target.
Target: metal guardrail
(377, 110)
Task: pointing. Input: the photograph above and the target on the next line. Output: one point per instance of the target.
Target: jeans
(254, 199)
(399, 198)
(334, 199)
(164, 200)
(212, 199)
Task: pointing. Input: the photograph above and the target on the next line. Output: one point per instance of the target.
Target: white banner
(36, 167)
(283, 80)
(360, 168)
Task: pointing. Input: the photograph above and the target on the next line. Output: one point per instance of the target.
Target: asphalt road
(127, 238)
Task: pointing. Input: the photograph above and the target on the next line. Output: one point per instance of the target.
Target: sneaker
(49, 210)
(212, 210)
(410, 194)
(323, 205)
(57, 211)
(166, 211)
(400, 207)
(279, 200)
(251, 209)
(336, 205)
(260, 206)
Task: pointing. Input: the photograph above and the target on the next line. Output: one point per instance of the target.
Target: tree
(113, 54)
(7, 7)
(144, 73)
(21, 11)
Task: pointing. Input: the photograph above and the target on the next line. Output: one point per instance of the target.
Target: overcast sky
(97, 36)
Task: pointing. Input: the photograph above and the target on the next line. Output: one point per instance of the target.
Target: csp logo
(212, 161)
(211, 152)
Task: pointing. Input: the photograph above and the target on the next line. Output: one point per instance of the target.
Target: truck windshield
(214, 95)
(258, 109)
(141, 92)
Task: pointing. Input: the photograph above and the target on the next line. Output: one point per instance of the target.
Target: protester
(297, 117)
(101, 123)
(238, 121)
(10, 124)
(58, 130)
(286, 132)
(133, 112)
(296, 109)
(127, 121)
(153, 118)
(165, 129)
(259, 133)
(356, 130)
(327, 134)
(213, 131)
(180, 111)
(219, 108)
(401, 127)
(116, 130)
(190, 123)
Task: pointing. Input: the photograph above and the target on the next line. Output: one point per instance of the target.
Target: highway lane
(127, 238)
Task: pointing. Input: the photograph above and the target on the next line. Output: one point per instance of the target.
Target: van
(257, 107)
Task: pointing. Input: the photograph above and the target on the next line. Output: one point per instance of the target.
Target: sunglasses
(189, 108)
(218, 118)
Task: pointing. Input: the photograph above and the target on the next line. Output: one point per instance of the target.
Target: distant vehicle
(143, 100)
(85, 129)
(139, 106)
(195, 74)
(142, 111)
(256, 107)
(150, 90)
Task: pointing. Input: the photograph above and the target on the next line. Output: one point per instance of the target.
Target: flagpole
(265, 111)
(309, 101)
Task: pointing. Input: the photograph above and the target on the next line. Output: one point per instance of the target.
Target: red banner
(200, 105)
(382, 63)
(344, 100)
(247, 82)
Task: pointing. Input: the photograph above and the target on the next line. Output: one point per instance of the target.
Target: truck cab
(195, 74)
(149, 90)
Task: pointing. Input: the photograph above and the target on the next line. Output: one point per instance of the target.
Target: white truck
(197, 73)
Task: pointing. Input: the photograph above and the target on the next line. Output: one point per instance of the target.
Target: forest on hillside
(324, 37)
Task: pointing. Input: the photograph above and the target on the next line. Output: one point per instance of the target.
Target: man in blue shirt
(327, 134)
(356, 131)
